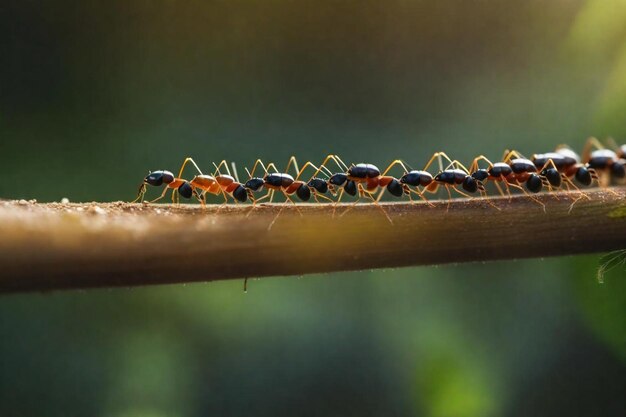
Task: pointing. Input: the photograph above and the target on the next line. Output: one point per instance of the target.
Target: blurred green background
(94, 94)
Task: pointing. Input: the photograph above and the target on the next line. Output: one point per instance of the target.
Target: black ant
(362, 179)
(450, 177)
(515, 170)
(603, 160)
(179, 186)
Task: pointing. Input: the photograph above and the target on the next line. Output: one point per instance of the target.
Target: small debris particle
(65, 200)
(22, 203)
(96, 210)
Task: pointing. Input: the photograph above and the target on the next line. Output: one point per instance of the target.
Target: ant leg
(304, 167)
(294, 162)
(333, 158)
(437, 156)
(235, 173)
(225, 201)
(462, 193)
(496, 183)
(182, 168)
(201, 198)
(351, 206)
(522, 189)
(421, 195)
(343, 164)
(288, 200)
(611, 142)
(447, 187)
(317, 195)
(474, 166)
(375, 201)
(217, 167)
(265, 169)
(508, 155)
(161, 196)
(141, 193)
(396, 162)
(590, 144)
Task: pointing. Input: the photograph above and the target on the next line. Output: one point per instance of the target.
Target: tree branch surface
(61, 246)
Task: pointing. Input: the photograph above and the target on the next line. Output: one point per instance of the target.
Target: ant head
(480, 175)
(185, 190)
(470, 184)
(618, 169)
(319, 185)
(157, 178)
(338, 179)
(254, 184)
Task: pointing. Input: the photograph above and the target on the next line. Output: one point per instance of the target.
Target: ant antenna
(236, 175)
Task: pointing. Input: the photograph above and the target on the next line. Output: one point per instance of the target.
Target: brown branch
(56, 246)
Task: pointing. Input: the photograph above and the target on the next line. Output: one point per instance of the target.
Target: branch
(57, 246)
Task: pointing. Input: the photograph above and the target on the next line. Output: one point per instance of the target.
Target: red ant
(218, 183)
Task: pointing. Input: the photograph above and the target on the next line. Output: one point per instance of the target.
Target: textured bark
(58, 246)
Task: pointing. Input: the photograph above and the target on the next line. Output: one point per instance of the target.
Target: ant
(285, 183)
(604, 160)
(179, 186)
(618, 170)
(276, 181)
(567, 162)
(218, 183)
(450, 177)
(362, 179)
(515, 170)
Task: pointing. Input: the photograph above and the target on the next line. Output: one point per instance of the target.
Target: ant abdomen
(350, 187)
(395, 188)
(534, 184)
(470, 184)
(304, 192)
(553, 176)
(185, 190)
(583, 176)
(240, 194)
(618, 169)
